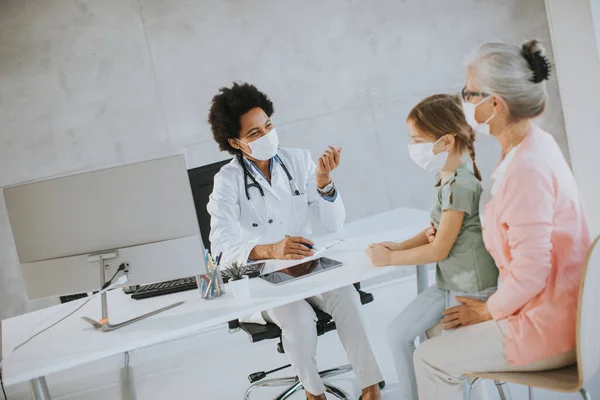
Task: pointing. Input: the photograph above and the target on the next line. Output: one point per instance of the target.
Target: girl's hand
(431, 232)
(380, 255)
(389, 245)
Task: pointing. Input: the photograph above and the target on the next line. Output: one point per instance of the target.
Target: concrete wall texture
(87, 84)
(595, 4)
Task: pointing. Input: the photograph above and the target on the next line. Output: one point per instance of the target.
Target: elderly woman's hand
(469, 313)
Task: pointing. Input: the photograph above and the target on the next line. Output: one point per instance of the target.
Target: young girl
(440, 136)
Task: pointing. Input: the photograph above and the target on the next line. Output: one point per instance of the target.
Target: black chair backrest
(201, 182)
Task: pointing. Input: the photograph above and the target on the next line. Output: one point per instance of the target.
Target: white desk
(74, 342)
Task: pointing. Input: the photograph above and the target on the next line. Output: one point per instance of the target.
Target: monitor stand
(104, 324)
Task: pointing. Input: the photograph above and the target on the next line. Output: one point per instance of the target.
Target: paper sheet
(322, 248)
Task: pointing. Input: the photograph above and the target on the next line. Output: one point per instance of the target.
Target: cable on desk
(54, 324)
(122, 280)
(2, 385)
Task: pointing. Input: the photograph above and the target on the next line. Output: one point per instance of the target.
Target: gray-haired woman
(535, 229)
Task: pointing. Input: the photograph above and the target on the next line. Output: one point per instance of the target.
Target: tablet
(300, 271)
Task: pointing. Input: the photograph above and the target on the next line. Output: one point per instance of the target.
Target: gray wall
(89, 83)
(595, 4)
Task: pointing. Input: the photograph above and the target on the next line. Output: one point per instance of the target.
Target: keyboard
(252, 270)
(184, 284)
(163, 288)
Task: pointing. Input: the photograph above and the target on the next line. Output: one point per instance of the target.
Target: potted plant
(238, 282)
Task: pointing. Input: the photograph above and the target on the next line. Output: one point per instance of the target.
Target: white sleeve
(224, 209)
(332, 214)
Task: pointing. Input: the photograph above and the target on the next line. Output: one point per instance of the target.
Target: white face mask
(422, 155)
(264, 148)
(469, 111)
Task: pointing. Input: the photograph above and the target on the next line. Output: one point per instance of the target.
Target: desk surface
(73, 342)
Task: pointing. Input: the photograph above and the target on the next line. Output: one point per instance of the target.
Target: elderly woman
(534, 228)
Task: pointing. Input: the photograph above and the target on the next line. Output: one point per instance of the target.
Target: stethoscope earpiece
(255, 225)
(270, 221)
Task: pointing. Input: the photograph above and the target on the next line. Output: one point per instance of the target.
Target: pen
(310, 246)
(216, 284)
(211, 263)
(219, 257)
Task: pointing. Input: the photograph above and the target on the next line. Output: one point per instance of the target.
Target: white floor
(215, 364)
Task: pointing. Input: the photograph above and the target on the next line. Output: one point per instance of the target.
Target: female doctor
(260, 209)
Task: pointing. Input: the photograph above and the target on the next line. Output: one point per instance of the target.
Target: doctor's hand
(329, 161)
(291, 248)
(380, 255)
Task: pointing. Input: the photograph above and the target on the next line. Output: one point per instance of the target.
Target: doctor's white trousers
(297, 323)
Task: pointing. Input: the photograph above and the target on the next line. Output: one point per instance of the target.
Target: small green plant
(236, 271)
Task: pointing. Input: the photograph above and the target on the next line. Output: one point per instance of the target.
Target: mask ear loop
(242, 150)
(437, 141)
(491, 116)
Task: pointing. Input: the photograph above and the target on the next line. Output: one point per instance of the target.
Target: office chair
(324, 324)
(572, 378)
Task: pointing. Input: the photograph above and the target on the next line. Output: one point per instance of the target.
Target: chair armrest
(365, 298)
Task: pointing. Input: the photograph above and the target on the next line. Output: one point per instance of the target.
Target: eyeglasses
(467, 95)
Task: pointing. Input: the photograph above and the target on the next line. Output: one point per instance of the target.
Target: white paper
(323, 247)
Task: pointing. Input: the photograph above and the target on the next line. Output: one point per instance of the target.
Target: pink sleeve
(528, 213)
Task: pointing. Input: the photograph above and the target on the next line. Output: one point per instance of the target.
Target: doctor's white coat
(232, 218)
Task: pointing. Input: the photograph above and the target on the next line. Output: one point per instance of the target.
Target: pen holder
(211, 285)
(240, 288)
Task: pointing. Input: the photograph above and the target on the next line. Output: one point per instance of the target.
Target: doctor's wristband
(328, 190)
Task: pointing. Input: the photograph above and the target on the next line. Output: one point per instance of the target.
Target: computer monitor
(142, 214)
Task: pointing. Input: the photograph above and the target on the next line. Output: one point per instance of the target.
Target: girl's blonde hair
(440, 115)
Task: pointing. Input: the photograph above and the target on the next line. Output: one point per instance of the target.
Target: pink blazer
(536, 230)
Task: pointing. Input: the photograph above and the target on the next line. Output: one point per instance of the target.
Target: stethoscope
(255, 184)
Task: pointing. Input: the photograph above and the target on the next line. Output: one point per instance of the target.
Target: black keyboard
(163, 288)
(252, 270)
(184, 284)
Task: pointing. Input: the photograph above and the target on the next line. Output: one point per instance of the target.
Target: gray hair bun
(535, 55)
